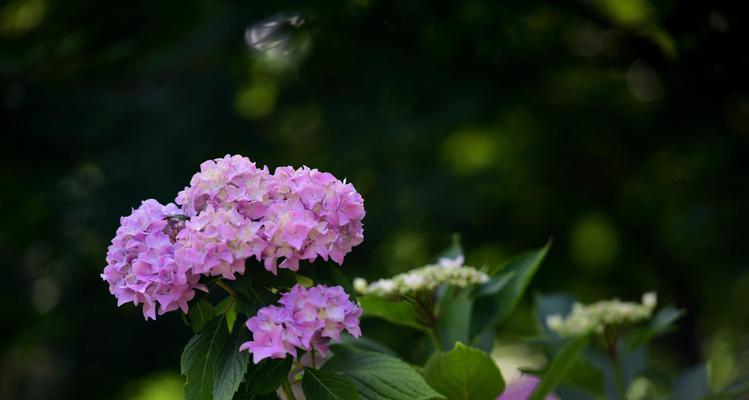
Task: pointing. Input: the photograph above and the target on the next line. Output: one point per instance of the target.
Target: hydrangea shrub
(240, 255)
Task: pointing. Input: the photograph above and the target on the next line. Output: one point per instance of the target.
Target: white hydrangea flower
(360, 284)
(447, 262)
(382, 287)
(413, 280)
(650, 299)
(594, 318)
(447, 271)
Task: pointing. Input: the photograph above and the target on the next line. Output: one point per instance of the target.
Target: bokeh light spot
(45, 294)
(721, 365)
(594, 243)
(470, 150)
(643, 82)
(159, 387)
(629, 12)
(20, 17)
(256, 100)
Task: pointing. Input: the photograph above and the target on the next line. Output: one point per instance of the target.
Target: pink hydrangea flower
(217, 242)
(274, 335)
(141, 266)
(229, 182)
(522, 388)
(309, 318)
(313, 215)
(296, 214)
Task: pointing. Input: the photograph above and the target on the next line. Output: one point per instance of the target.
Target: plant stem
(435, 338)
(619, 378)
(611, 338)
(312, 353)
(288, 391)
(431, 321)
(226, 287)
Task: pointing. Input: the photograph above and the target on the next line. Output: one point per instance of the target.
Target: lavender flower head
(231, 211)
(308, 318)
(217, 242)
(291, 215)
(313, 214)
(141, 266)
(232, 182)
(522, 388)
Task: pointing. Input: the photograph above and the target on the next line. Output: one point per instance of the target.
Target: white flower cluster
(447, 271)
(594, 318)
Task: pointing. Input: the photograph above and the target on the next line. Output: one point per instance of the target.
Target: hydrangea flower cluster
(231, 211)
(141, 266)
(290, 215)
(308, 318)
(447, 271)
(522, 389)
(594, 318)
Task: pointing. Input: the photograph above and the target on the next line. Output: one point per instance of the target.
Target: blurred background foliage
(618, 127)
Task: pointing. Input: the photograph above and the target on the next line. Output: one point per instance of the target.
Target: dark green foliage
(379, 376)
(327, 385)
(268, 375)
(504, 121)
(200, 360)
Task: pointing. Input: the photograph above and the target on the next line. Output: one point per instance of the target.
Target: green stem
(611, 337)
(288, 391)
(619, 378)
(312, 353)
(226, 287)
(435, 338)
(429, 320)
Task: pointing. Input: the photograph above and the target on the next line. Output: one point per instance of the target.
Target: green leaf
(200, 314)
(252, 294)
(363, 343)
(199, 359)
(494, 285)
(523, 267)
(268, 375)
(559, 367)
(662, 323)
(259, 288)
(491, 310)
(228, 307)
(464, 373)
(252, 396)
(454, 321)
(379, 376)
(396, 311)
(231, 366)
(664, 320)
(327, 385)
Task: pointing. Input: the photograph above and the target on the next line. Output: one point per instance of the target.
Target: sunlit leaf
(228, 307)
(464, 373)
(396, 311)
